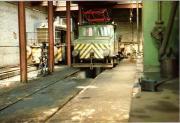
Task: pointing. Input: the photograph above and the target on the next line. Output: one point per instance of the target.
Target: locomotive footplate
(91, 65)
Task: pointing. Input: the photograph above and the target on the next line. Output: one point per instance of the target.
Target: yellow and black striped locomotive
(96, 46)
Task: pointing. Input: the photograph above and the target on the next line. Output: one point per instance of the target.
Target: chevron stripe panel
(86, 49)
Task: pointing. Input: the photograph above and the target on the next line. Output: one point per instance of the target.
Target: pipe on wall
(168, 30)
(159, 11)
(158, 29)
(137, 22)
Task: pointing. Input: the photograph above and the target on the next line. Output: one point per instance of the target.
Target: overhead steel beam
(51, 37)
(68, 33)
(22, 41)
(63, 8)
(126, 6)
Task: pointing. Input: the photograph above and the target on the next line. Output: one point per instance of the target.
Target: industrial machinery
(96, 45)
(40, 37)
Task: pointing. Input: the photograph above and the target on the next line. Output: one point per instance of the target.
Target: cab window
(87, 31)
(104, 31)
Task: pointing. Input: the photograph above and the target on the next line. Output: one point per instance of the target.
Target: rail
(18, 99)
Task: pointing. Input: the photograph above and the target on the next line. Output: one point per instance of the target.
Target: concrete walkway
(106, 100)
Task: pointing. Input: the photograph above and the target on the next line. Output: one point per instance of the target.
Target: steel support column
(137, 22)
(68, 34)
(51, 37)
(22, 41)
(80, 15)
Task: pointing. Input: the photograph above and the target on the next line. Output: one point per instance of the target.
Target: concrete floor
(106, 100)
(161, 106)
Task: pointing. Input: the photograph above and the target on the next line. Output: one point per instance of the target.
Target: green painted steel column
(150, 15)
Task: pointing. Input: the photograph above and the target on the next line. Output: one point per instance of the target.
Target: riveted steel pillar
(68, 34)
(51, 37)
(22, 41)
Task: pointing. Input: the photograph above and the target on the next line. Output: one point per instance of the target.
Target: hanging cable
(131, 21)
(137, 22)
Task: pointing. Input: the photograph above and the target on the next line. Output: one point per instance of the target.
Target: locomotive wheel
(106, 60)
(98, 70)
(112, 61)
(76, 59)
(115, 61)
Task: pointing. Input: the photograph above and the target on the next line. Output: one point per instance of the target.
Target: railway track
(61, 106)
(37, 90)
(9, 106)
(8, 72)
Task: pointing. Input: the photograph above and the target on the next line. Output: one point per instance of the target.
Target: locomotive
(96, 45)
(40, 37)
